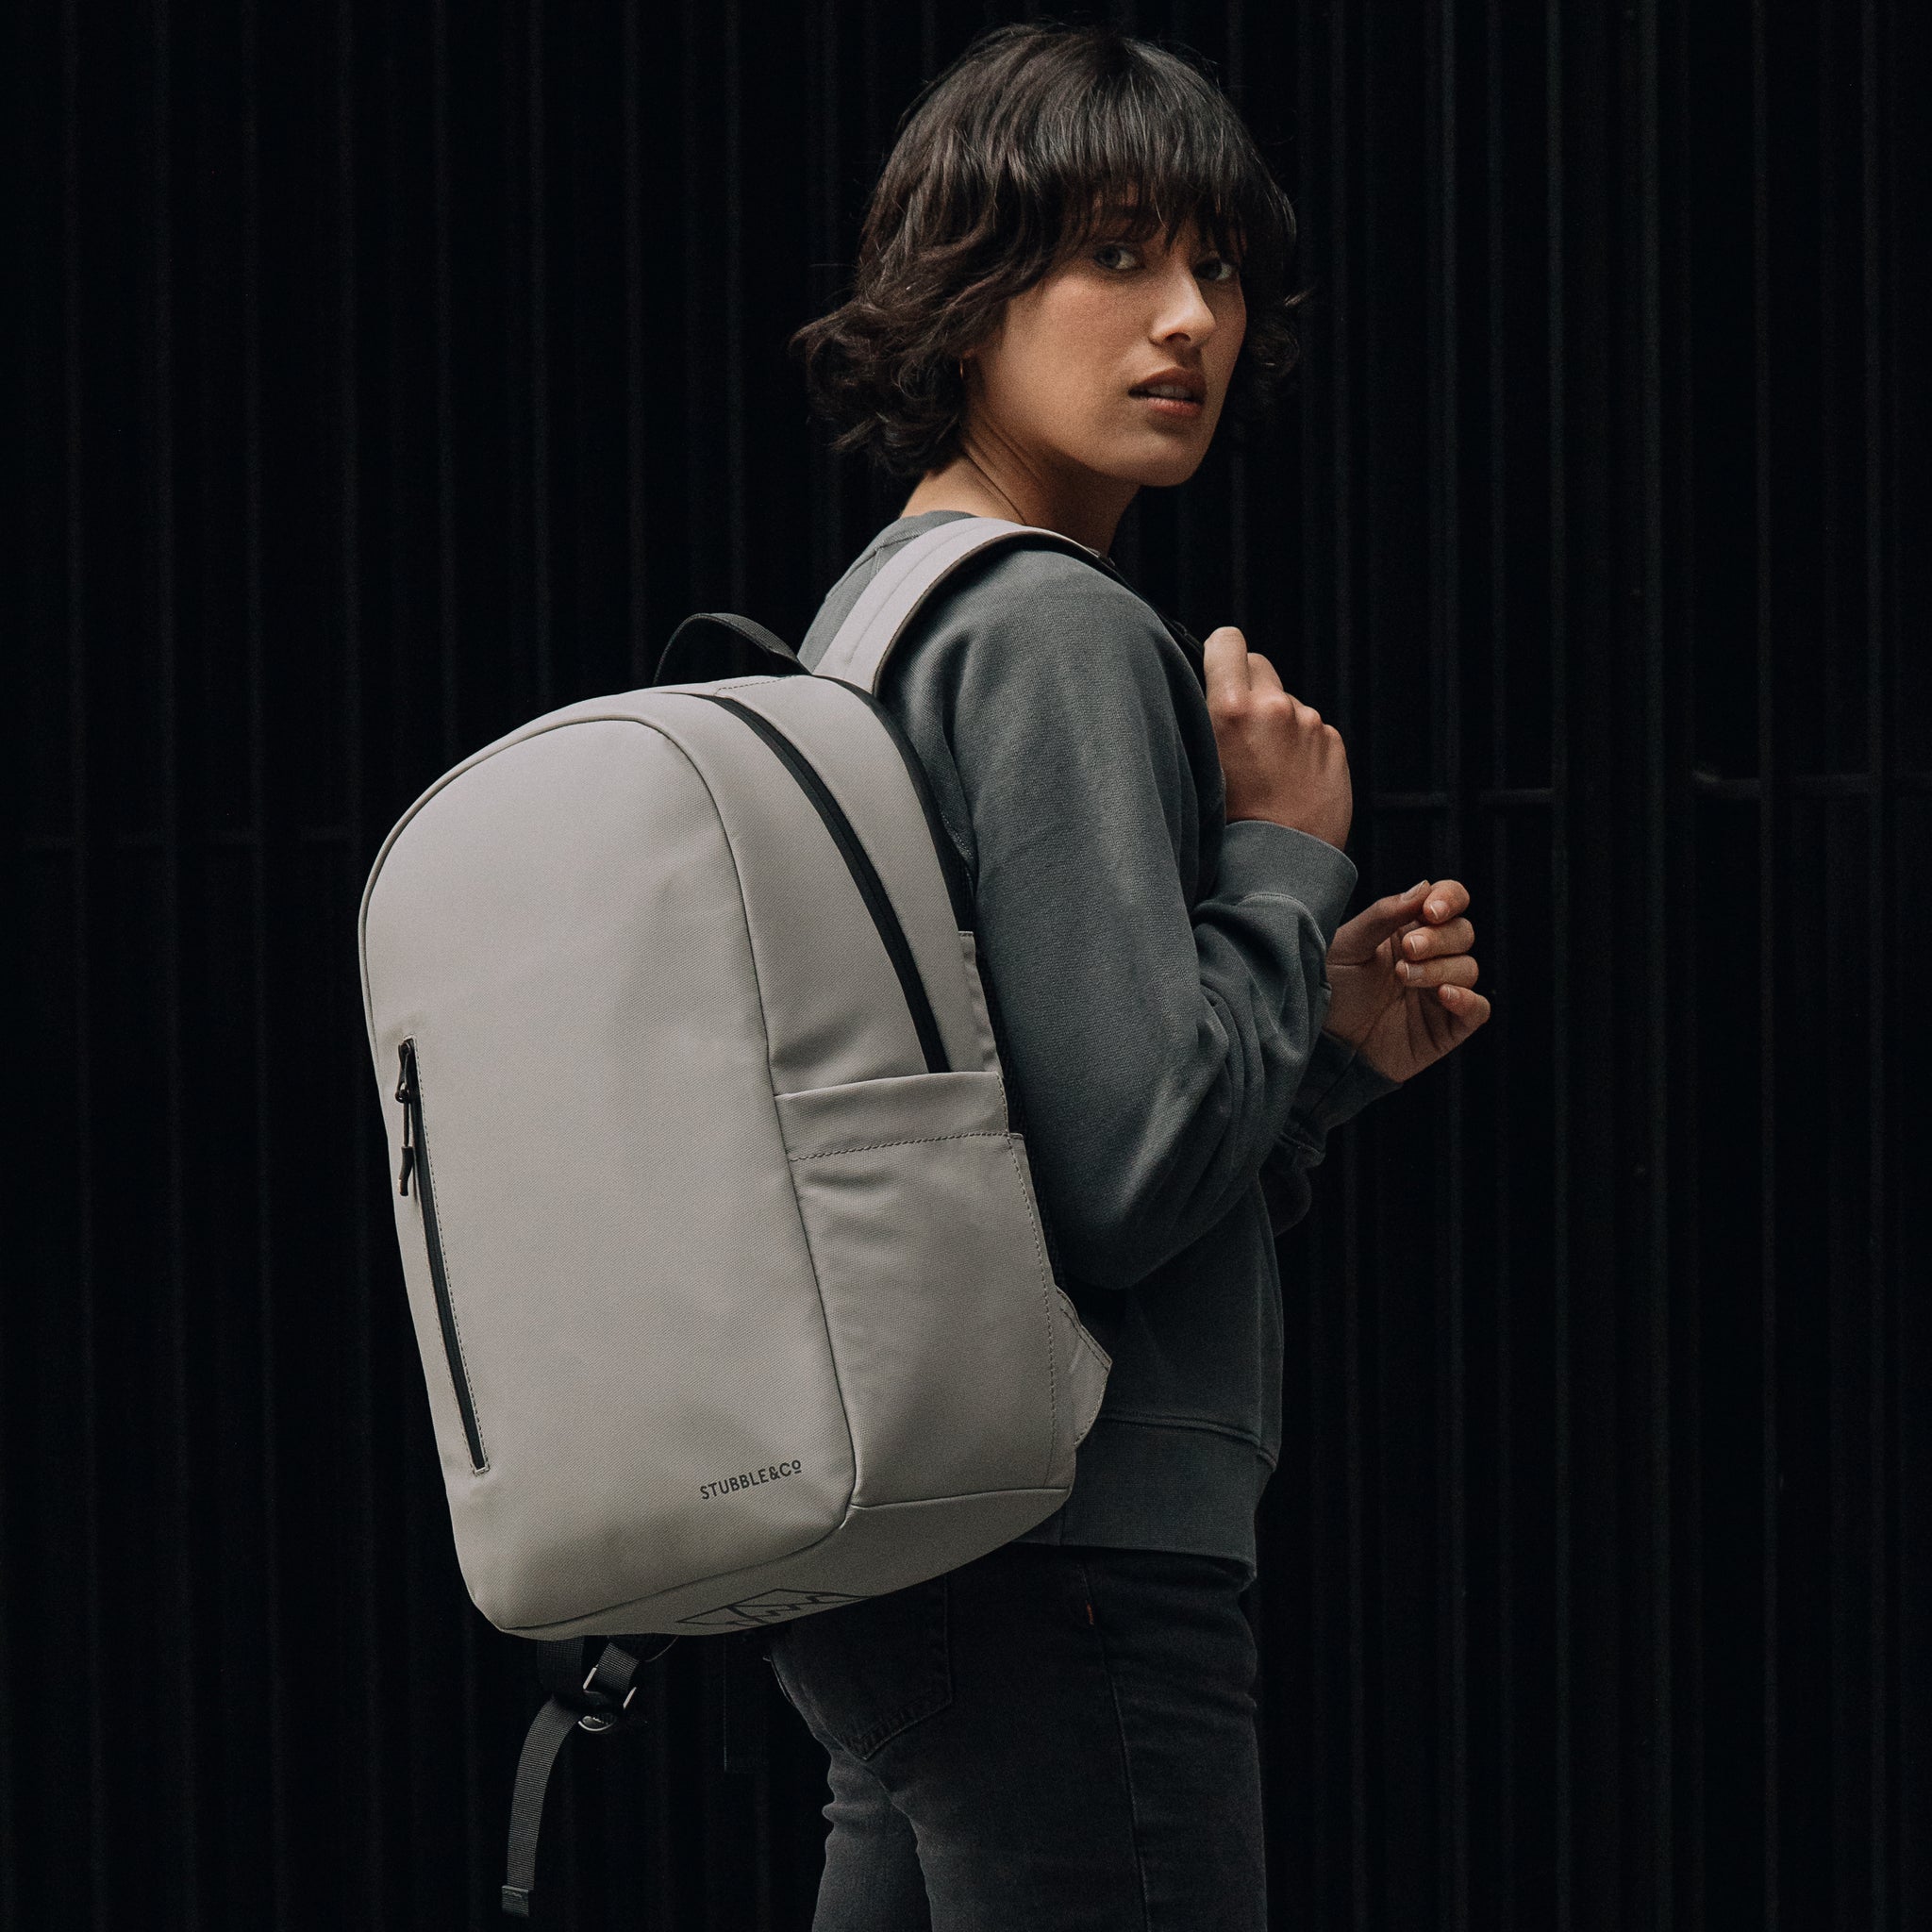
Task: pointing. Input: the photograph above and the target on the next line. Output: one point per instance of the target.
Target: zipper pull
(405, 1092)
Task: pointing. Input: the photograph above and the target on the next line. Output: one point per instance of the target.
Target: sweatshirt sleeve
(1157, 1047)
(1338, 1084)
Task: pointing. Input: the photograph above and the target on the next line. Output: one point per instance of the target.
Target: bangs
(1145, 157)
(1122, 138)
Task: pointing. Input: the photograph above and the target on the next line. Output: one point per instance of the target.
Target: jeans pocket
(866, 1673)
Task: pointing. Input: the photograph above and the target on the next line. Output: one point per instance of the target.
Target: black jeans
(1046, 1740)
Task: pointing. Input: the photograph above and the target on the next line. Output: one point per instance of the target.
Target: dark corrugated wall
(384, 374)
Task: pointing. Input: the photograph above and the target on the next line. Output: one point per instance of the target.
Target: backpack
(733, 1295)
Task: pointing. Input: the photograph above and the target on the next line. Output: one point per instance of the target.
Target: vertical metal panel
(1651, 1177)
(1769, 804)
(1443, 267)
(1497, 1887)
(638, 551)
(270, 1710)
(416, 371)
(186, 1587)
(1869, 1719)
(92, 1793)
(360, 1661)
(1561, 1905)
(1671, 611)
(529, 63)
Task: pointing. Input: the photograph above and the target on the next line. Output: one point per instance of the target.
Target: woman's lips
(1171, 406)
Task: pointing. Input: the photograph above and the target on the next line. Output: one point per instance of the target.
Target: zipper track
(872, 888)
(416, 1162)
(952, 864)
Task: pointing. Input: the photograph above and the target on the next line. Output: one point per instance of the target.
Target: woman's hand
(1278, 760)
(1403, 979)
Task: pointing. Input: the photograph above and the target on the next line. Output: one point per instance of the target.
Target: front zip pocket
(416, 1162)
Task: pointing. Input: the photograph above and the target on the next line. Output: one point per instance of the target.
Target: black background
(386, 374)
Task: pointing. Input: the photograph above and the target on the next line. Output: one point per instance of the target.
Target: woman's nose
(1185, 311)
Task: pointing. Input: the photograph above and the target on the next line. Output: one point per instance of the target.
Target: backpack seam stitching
(1046, 1282)
(921, 1141)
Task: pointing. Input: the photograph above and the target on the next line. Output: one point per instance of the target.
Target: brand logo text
(747, 1479)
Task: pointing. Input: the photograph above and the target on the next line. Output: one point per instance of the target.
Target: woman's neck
(1088, 517)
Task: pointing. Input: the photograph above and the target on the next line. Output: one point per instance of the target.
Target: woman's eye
(1218, 268)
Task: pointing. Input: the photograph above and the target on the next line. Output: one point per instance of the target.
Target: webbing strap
(596, 1701)
(548, 1730)
(864, 641)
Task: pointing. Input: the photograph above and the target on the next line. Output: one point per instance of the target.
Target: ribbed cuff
(1153, 1486)
(1261, 859)
(1340, 1082)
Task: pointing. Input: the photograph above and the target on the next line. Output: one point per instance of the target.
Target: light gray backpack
(731, 1287)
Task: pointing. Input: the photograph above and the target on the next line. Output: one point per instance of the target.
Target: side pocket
(943, 1318)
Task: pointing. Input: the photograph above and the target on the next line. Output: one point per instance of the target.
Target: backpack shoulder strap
(864, 641)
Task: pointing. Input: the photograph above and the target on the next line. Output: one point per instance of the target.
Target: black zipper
(865, 876)
(416, 1161)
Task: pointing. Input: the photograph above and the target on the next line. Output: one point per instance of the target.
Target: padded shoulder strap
(860, 649)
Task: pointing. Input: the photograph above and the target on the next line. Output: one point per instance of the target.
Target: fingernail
(1435, 908)
(1416, 888)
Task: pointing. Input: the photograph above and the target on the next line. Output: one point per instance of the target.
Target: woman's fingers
(1263, 676)
(1227, 658)
(1433, 941)
(1458, 968)
(1467, 1007)
(1356, 940)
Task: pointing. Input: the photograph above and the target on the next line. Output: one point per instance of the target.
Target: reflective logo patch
(768, 1606)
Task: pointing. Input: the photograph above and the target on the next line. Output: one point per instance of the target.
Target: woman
(1074, 259)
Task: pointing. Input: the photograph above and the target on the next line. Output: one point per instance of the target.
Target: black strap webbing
(548, 1730)
(696, 646)
(596, 1701)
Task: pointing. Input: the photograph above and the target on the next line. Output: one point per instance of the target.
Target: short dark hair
(1005, 165)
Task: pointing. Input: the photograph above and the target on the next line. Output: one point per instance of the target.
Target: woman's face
(1055, 386)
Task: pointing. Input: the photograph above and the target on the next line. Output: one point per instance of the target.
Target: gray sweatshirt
(1161, 978)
